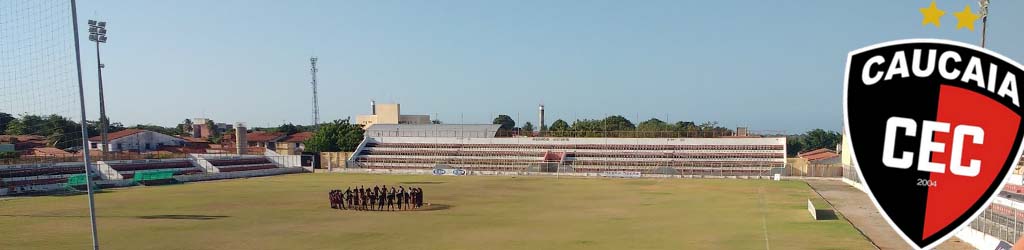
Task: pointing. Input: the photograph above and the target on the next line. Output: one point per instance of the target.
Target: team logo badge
(935, 127)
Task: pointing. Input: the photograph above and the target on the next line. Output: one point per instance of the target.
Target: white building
(135, 140)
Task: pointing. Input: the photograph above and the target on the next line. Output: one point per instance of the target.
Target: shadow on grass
(426, 207)
(182, 217)
(148, 217)
(826, 214)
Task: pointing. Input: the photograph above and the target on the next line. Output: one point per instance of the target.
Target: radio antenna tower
(316, 106)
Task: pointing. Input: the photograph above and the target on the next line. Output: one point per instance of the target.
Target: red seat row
(150, 166)
(33, 182)
(248, 168)
(179, 172)
(10, 173)
(230, 162)
(580, 146)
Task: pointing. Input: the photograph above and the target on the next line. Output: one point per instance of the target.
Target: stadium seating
(238, 164)
(242, 161)
(697, 156)
(127, 169)
(248, 168)
(23, 176)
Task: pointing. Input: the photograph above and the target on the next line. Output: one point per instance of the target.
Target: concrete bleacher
(225, 164)
(20, 179)
(697, 156)
(36, 177)
(127, 169)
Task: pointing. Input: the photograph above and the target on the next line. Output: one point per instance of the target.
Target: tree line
(613, 126)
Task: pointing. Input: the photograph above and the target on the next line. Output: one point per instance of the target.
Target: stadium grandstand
(736, 156)
(48, 177)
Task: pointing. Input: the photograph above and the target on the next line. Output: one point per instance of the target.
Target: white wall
(139, 140)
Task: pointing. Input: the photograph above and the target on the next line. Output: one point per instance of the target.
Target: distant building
(821, 156)
(293, 144)
(45, 152)
(201, 130)
(22, 142)
(389, 113)
(433, 130)
(264, 139)
(136, 140)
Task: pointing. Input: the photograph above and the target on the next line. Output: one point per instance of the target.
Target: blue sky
(769, 65)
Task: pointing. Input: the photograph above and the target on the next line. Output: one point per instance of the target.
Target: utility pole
(98, 34)
(316, 105)
(984, 19)
(85, 132)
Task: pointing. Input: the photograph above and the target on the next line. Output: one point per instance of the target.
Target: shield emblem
(935, 127)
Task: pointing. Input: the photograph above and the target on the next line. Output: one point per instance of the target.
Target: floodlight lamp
(103, 39)
(92, 22)
(92, 37)
(102, 24)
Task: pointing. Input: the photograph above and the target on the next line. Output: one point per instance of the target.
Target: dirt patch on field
(857, 207)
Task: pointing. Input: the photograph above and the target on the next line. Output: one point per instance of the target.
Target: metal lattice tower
(316, 106)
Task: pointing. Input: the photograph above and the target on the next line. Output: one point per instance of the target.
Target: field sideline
(475, 212)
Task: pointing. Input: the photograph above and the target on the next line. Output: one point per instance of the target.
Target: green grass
(291, 212)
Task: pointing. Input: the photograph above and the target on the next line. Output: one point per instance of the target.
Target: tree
(685, 126)
(819, 138)
(653, 125)
(61, 132)
(287, 128)
(336, 136)
(25, 125)
(213, 128)
(617, 123)
(506, 122)
(5, 118)
(811, 140)
(186, 127)
(114, 127)
(158, 129)
(560, 125)
(527, 128)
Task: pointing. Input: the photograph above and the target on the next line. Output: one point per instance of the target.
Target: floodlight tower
(98, 34)
(984, 19)
(316, 106)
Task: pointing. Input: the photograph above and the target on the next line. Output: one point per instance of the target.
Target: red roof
(46, 152)
(260, 136)
(118, 134)
(298, 137)
(818, 154)
(24, 141)
(193, 140)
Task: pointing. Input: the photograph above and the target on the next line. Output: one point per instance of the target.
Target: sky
(767, 65)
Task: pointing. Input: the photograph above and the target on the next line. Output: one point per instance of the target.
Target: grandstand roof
(433, 130)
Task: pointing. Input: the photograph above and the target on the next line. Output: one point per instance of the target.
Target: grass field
(291, 212)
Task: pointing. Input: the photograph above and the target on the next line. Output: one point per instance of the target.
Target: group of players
(377, 198)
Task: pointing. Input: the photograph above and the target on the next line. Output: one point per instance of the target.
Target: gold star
(965, 18)
(931, 15)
